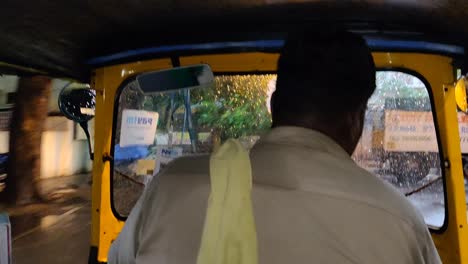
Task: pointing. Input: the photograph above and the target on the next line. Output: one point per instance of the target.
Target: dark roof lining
(60, 36)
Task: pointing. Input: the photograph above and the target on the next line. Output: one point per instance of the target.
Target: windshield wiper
(423, 186)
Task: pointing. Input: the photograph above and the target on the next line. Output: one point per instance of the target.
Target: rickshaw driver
(312, 202)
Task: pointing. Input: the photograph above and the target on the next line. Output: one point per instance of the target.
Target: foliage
(161, 103)
(234, 107)
(237, 107)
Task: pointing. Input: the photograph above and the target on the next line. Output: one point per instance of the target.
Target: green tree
(236, 107)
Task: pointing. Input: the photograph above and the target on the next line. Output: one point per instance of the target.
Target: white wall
(57, 86)
(61, 154)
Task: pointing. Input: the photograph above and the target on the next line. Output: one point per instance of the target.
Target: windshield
(399, 142)
(189, 122)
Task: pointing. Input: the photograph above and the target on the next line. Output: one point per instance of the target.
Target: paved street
(57, 232)
(65, 241)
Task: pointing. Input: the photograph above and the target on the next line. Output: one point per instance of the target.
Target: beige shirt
(312, 204)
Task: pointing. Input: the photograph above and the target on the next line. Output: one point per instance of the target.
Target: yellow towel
(229, 235)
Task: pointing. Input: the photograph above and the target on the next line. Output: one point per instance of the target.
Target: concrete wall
(61, 153)
(64, 149)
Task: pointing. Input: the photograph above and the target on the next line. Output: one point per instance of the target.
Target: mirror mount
(77, 102)
(84, 126)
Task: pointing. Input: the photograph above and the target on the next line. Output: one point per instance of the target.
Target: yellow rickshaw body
(437, 70)
(106, 44)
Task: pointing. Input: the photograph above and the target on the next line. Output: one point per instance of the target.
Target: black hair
(322, 72)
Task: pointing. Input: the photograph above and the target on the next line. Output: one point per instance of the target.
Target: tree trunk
(27, 124)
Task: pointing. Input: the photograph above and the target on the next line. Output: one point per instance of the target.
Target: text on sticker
(134, 120)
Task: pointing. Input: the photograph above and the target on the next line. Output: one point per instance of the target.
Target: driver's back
(311, 202)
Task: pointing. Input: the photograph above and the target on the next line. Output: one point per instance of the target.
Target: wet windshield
(399, 142)
(189, 122)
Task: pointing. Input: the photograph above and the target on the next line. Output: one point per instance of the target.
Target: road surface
(59, 236)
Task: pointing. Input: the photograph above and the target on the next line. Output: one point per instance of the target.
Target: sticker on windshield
(166, 155)
(147, 167)
(138, 127)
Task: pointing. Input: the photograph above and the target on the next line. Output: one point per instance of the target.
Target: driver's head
(325, 78)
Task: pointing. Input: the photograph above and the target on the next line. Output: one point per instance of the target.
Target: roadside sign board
(414, 131)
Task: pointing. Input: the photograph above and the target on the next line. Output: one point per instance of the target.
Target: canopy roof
(69, 38)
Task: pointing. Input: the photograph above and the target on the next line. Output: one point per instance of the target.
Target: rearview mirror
(460, 95)
(187, 77)
(77, 102)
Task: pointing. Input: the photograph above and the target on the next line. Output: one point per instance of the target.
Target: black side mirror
(78, 102)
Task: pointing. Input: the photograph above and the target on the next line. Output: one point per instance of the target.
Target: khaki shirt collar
(304, 137)
(286, 154)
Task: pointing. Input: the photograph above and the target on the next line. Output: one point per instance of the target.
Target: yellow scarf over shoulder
(229, 234)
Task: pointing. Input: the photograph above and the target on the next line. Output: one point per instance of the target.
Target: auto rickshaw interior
(416, 127)
(401, 142)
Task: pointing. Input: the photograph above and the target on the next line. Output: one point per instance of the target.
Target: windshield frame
(414, 73)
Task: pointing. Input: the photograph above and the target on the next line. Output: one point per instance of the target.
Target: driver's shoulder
(181, 179)
(189, 165)
(182, 174)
